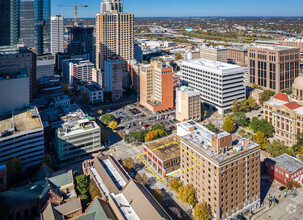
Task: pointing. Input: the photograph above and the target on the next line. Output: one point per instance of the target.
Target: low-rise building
(97, 76)
(81, 71)
(188, 104)
(94, 92)
(256, 94)
(284, 168)
(45, 66)
(22, 136)
(238, 55)
(218, 53)
(62, 101)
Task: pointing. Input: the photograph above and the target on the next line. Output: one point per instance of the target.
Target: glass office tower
(27, 22)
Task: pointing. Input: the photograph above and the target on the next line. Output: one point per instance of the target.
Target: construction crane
(76, 6)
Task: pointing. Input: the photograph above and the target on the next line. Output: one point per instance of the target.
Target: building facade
(188, 104)
(94, 92)
(156, 86)
(97, 76)
(111, 5)
(228, 177)
(218, 83)
(22, 136)
(27, 23)
(134, 74)
(273, 67)
(82, 71)
(238, 55)
(112, 77)
(45, 67)
(57, 34)
(293, 42)
(213, 53)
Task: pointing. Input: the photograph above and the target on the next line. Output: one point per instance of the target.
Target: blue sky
(156, 8)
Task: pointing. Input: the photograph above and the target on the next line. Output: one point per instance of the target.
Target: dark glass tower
(27, 22)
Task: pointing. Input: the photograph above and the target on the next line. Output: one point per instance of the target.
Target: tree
(48, 160)
(113, 125)
(128, 163)
(174, 184)
(186, 194)
(158, 126)
(141, 178)
(161, 133)
(265, 96)
(85, 97)
(161, 60)
(260, 139)
(201, 211)
(228, 124)
(277, 148)
(107, 118)
(145, 62)
(178, 56)
(152, 135)
(158, 194)
(14, 169)
(94, 190)
(240, 119)
(299, 143)
(251, 102)
(261, 125)
(82, 184)
(300, 153)
(244, 107)
(235, 106)
(211, 127)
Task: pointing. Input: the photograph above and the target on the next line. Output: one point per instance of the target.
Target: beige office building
(238, 55)
(273, 67)
(114, 36)
(293, 42)
(285, 113)
(228, 178)
(214, 53)
(188, 104)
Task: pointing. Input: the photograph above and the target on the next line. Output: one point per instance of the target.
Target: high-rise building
(27, 23)
(112, 78)
(57, 34)
(218, 83)
(273, 67)
(237, 55)
(218, 53)
(111, 5)
(293, 42)
(45, 66)
(156, 86)
(81, 42)
(15, 58)
(9, 22)
(224, 173)
(97, 76)
(114, 36)
(82, 71)
(134, 73)
(188, 104)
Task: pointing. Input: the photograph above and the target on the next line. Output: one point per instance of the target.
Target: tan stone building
(256, 94)
(285, 113)
(238, 55)
(273, 67)
(156, 86)
(114, 36)
(228, 179)
(188, 104)
(214, 53)
(293, 42)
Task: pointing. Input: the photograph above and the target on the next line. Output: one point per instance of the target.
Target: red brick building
(284, 168)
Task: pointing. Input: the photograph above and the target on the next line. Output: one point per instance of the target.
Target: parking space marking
(174, 142)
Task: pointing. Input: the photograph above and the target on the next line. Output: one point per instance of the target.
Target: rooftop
(273, 47)
(25, 120)
(187, 90)
(211, 64)
(287, 163)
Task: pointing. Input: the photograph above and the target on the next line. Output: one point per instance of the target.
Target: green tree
(158, 195)
(261, 125)
(94, 190)
(277, 148)
(235, 106)
(244, 107)
(128, 163)
(186, 194)
(228, 124)
(174, 184)
(14, 170)
(240, 118)
(265, 96)
(158, 126)
(113, 125)
(161, 60)
(141, 178)
(260, 139)
(251, 103)
(48, 160)
(82, 184)
(178, 56)
(211, 127)
(107, 118)
(299, 143)
(201, 211)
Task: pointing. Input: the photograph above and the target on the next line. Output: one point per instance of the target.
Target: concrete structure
(134, 73)
(238, 55)
(218, 83)
(127, 198)
(273, 67)
(163, 155)
(94, 92)
(228, 179)
(284, 168)
(218, 53)
(14, 91)
(112, 78)
(97, 76)
(45, 67)
(57, 34)
(22, 136)
(81, 71)
(156, 86)
(78, 136)
(114, 36)
(188, 104)
(285, 113)
(15, 58)
(293, 42)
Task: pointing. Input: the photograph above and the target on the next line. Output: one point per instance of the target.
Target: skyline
(189, 8)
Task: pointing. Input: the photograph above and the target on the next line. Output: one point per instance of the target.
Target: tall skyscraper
(57, 34)
(27, 22)
(9, 22)
(111, 5)
(114, 36)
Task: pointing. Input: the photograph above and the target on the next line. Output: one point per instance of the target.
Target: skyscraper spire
(111, 6)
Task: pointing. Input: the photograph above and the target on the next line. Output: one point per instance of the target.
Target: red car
(173, 127)
(146, 126)
(140, 106)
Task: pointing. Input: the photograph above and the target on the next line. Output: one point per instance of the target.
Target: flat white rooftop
(273, 47)
(211, 64)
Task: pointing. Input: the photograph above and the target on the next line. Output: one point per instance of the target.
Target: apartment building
(156, 86)
(218, 53)
(228, 179)
(77, 136)
(188, 104)
(81, 71)
(238, 55)
(293, 42)
(114, 36)
(218, 83)
(22, 136)
(94, 92)
(113, 76)
(134, 73)
(57, 34)
(285, 113)
(97, 76)
(273, 67)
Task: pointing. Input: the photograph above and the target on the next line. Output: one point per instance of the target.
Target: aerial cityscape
(151, 110)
